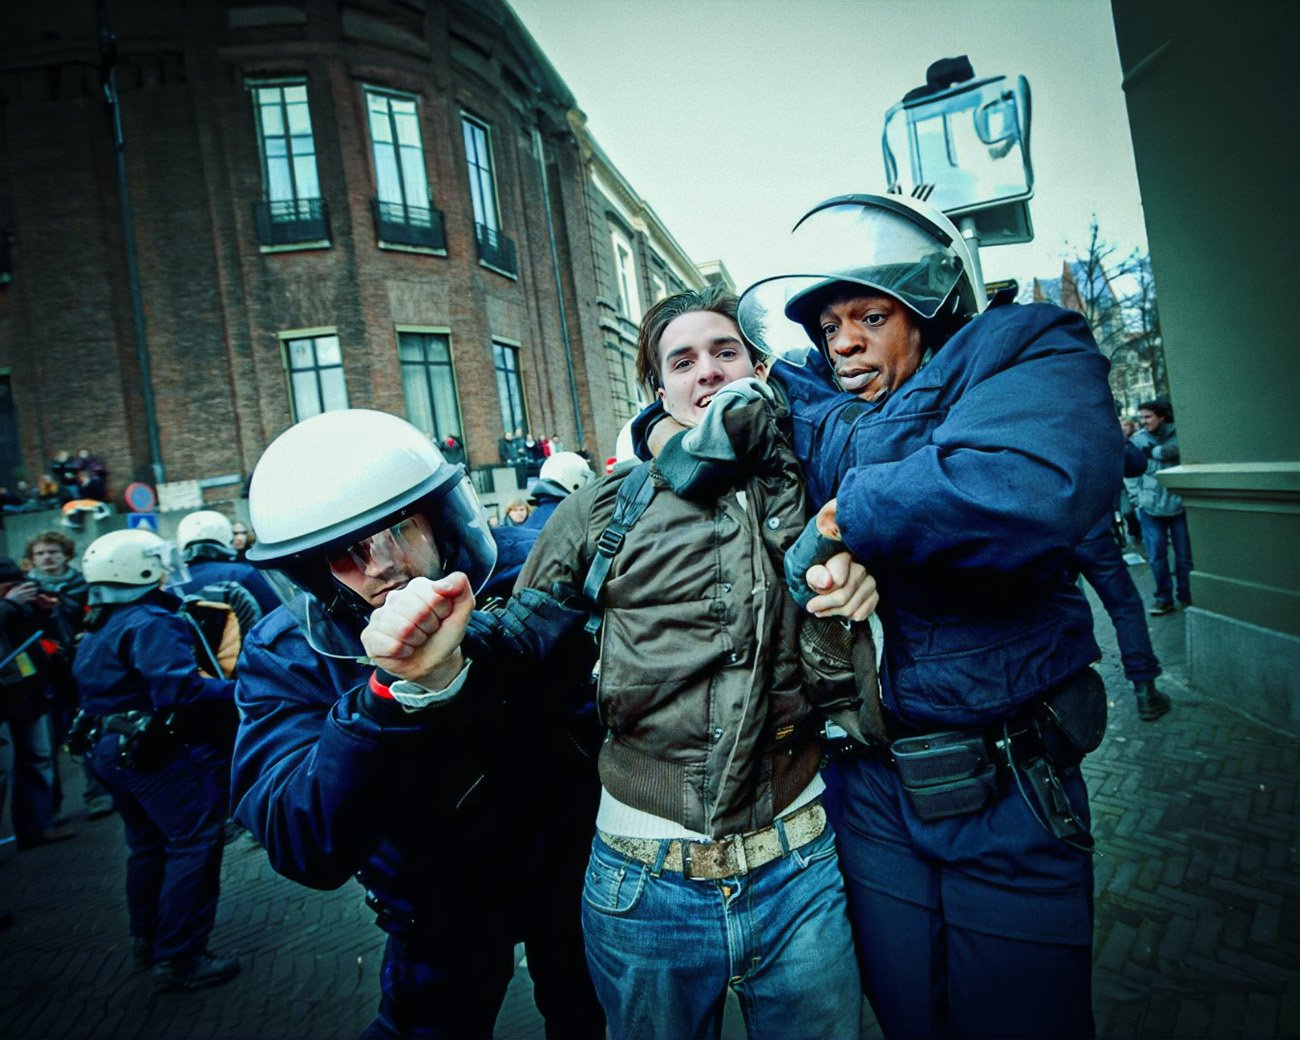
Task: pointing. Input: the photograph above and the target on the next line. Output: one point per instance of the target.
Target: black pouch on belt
(1072, 719)
(946, 773)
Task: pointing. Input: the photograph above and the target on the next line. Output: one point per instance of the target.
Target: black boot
(1151, 703)
(196, 972)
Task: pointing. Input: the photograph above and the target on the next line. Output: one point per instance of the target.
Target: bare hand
(417, 633)
(844, 589)
(24, 592)
(662, 432)
(827, 523)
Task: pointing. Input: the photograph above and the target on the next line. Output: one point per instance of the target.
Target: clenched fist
(417, 633)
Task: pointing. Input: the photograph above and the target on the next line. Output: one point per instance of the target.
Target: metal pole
(559, 284)
(972, 236)
(108, 50)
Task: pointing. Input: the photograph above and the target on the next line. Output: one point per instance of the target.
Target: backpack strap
(634, 494)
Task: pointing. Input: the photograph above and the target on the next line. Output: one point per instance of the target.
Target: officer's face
(873, 342)
(387, 560)
(699, 354)
(48, 559)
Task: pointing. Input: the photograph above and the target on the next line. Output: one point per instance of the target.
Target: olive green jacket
(709, 672)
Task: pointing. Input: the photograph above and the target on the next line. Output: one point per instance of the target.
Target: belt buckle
(730, 850)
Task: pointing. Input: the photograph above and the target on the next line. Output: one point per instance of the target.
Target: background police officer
(136, 667)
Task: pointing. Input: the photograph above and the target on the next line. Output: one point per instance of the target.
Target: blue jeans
(28, 764)
(1157, 534)
(663, 948)
(174, 818)
(1100, 561)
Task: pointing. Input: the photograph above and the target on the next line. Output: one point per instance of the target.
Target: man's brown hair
(712, 298)
(51, 538)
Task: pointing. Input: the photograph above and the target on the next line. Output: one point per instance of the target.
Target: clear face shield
(865, 246)
(332, 593)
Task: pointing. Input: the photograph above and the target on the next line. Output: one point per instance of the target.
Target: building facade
(365, 203)
(1211, 104)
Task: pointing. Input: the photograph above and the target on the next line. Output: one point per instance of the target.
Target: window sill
(398, 247)
(294, 247)
(498, 270)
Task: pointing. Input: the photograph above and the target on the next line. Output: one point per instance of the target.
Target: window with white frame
(625, 276)
(285, 138)
(510, 388)
(316, 381)
(482, 181)
(429, 383)
(400, 178)
(658, 287)
(620, 359)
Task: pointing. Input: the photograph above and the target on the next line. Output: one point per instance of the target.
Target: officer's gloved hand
(701, 462)
(811, 547)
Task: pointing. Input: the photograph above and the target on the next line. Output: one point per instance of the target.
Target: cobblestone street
(1197, 933)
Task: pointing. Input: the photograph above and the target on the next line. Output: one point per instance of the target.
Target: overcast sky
(732, 117)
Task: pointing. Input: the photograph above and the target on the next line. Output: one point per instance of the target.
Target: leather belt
(738, 854)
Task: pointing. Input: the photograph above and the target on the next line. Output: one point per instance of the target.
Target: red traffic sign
(140, 498)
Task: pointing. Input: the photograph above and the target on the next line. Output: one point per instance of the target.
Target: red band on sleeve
(379, 689)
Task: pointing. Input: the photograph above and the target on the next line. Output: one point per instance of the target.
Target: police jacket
(547, 495)
(140, 657)
(1160, 450)
(963, 492)
(702, 664)
(334, 781)
(212, 563)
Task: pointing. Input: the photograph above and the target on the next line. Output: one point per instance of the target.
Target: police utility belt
(144, 738)
(729, 857)
(955, 772)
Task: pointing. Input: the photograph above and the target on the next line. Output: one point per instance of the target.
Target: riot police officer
(138, 676)
(430, 779)
(206, 540)
(961, 453)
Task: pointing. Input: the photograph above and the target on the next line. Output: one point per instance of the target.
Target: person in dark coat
(26, 711)
(142, 691)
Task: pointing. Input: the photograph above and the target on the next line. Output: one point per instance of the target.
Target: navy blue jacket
(141, 658)
(964, 492)
(334, 782)
(206, 569)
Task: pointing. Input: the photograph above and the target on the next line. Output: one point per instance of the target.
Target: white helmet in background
(354, 485)
(889, 244)
(568, 469)
(124, 566)
(206, 525)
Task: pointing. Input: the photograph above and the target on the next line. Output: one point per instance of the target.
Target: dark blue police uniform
(964, 492)
(463, 821)
(140, 658)
(212, 563)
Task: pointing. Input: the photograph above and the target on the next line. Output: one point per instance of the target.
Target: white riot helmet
(568, 469)
(889, 244)
(362, 496)
(124, 566)
(206, 525)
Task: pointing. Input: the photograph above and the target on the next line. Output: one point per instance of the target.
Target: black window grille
(290, 221)
(496, 249)
(396, 223)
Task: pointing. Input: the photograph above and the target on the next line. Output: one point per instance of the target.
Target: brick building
(370, 203)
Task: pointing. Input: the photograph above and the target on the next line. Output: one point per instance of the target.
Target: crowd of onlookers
(69, 478)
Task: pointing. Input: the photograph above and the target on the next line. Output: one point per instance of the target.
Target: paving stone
(1197, 904)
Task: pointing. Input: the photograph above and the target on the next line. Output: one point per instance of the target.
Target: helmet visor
(436, 536)
(870, 248)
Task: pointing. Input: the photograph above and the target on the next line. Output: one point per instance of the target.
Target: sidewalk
(1198, 903)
